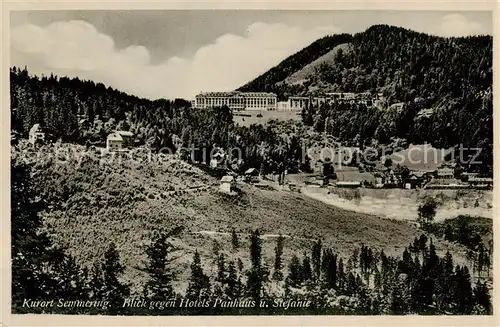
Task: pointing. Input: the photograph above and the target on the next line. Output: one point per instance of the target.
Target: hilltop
(382, 58)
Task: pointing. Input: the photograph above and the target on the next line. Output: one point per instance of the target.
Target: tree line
(460, 230)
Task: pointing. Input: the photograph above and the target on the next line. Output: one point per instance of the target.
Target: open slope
(311, 69)
(98, 202)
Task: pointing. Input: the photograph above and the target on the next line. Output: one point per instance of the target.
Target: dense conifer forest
(450, 77)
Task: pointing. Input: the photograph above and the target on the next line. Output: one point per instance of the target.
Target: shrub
(427, 212)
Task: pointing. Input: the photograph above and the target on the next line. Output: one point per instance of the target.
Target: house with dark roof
(251, 175)
(413, 181)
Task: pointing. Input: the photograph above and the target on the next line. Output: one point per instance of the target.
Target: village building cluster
(36, 134)
(444, 177)
(115, 141)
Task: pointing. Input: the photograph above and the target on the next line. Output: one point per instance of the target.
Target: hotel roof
(237, 93)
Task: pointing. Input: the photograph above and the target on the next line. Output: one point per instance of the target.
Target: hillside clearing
(266, 117)
(402, 204)
(312, 68)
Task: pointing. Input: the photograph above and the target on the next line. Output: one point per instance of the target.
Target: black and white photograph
(251, 162)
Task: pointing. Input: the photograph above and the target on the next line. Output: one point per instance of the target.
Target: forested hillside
(393, 59)
(85, 112)
(445, 85)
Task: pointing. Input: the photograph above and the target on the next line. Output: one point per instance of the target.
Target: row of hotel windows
(249, 102)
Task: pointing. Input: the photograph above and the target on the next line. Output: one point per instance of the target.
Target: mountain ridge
(276, 79)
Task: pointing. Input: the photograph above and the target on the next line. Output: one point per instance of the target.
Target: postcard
(249, 163)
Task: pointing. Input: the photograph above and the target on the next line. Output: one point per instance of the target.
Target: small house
(379, 182)
(36, 134)
(127, 138)
(445, 172)
(226, 184)
(114, 142)
(251, 175)
(413, 181)
(14, 137)
(84, 123)
(216, 159)
(119, 140)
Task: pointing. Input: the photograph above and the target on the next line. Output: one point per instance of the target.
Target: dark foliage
(450, 76)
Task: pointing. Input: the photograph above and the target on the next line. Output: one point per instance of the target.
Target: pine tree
(240, 265)
(444, 283)
(257, 275)
(316, 258)
(40, 270)
(400, 299)
(234, 240)
(340, 275)
(424, 290)
(199, 283)
(482, 299)
(221, 269)
(427, 212)
(406, 265)
(234, 287)
(329, 268)
(114, 290)
(306, 268)
(463, 290)
(71, 279)
(96, 282)
(221, 279)
(351, 286)
(294, 277)
(377, 280)
(278, 252)
(159, 254)
(27, 246)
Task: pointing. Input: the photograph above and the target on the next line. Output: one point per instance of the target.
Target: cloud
(77, 48)
(459, 25)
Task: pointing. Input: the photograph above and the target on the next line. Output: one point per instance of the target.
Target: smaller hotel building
(237, 100)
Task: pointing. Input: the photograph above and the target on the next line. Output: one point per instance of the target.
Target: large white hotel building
(237, 100)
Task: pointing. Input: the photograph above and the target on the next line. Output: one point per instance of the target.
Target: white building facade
(237, 100)
(259, 101)
(298, 103)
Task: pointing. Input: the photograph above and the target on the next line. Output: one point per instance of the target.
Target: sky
(179, 53)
